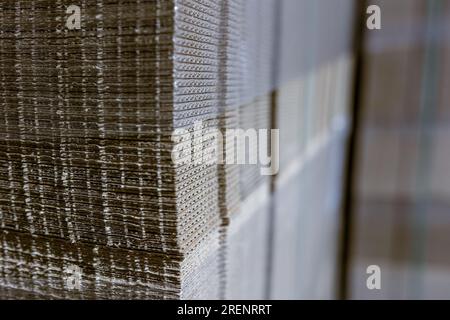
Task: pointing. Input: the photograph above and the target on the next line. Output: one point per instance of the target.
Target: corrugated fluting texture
(197, 93)
(90, 119)
(402, 190)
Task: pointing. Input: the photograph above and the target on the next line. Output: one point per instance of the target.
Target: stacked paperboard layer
(86, 175)
(90, 120)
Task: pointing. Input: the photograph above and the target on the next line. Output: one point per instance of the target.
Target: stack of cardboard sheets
(106, 126)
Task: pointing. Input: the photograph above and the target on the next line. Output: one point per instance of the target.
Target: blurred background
(399, 216)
